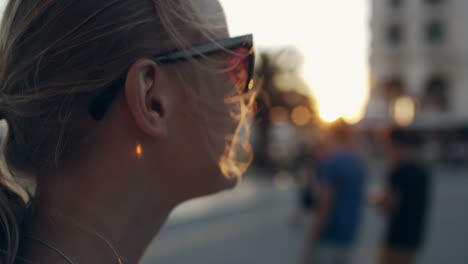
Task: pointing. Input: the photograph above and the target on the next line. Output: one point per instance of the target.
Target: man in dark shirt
(405, 201)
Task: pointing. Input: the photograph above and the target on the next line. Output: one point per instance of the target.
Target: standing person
(119, 111)
(337, 217)
(405, 201)
(309, 163)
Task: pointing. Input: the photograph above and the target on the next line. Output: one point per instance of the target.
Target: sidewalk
(250, 225)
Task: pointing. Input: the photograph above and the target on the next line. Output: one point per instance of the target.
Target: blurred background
(376, 64)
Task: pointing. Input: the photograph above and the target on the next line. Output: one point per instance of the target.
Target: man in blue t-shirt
(335, 226)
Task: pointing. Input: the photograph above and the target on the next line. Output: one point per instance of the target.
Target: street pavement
(252, 224)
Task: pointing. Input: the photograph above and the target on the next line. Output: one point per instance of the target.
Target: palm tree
(272, 64)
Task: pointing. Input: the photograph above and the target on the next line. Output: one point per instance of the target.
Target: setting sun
(332, 35)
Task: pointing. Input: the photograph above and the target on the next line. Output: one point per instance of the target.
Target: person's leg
(330, 254)
(389, 255)
(343, 256)
(321, 254)
(385, 256)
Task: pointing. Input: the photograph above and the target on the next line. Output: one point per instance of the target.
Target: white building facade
(419, 49)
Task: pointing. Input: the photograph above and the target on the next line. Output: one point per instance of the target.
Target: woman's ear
(144, 97)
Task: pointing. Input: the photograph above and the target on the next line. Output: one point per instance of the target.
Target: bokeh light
(404, 111)
(301, 115)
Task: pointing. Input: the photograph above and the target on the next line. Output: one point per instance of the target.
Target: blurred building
(419, 53)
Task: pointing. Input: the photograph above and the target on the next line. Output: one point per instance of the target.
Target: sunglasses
(240, 64)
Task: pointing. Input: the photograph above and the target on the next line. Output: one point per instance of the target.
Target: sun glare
(329, 115)
(332, 35)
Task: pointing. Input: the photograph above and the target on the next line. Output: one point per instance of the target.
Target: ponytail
(10, 217)
(13, 200)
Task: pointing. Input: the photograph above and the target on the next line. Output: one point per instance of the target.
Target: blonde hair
(55, 57)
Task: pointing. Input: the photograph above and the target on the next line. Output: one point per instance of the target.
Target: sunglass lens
(240, 69)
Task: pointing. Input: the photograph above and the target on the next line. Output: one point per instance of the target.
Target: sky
(333, 35)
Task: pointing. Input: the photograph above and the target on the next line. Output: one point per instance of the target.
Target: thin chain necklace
(87, 230)
(61, 253)
(54, 248)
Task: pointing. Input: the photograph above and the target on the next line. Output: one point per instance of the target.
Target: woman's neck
(98, 219)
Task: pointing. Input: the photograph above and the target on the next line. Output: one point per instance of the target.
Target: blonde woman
(118, 111)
